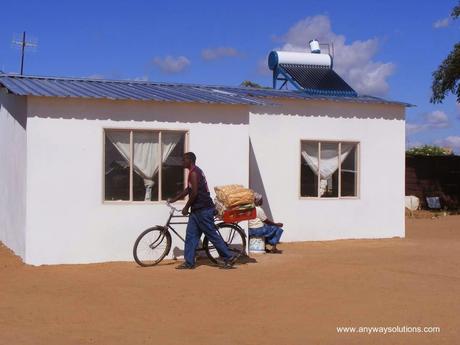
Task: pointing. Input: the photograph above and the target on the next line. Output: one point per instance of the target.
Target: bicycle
(154, 243)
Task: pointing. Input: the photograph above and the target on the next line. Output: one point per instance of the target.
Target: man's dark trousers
(202, 221)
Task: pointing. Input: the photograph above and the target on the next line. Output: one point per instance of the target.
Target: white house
(87, 164)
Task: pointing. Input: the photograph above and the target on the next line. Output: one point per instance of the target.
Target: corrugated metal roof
(166, 92)
(107, 89)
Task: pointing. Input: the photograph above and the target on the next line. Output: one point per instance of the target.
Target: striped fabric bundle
(233, 197)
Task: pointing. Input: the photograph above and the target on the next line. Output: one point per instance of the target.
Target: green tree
(429, 150)
(248, 83)
(456, 12)
(447, 77)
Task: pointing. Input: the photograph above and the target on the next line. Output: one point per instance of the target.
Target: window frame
(358, 169)
(131, 131)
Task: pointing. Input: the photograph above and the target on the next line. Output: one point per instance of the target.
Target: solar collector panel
(318, 78)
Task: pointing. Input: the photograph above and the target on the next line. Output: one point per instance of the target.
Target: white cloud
(437, 119)
(441, 23)
(352, 61)
(412, 128)
(452, 142)
(171, 64)
(219, 52)
(433, 120)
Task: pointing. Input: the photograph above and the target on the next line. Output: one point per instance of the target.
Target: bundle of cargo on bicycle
(234, 203)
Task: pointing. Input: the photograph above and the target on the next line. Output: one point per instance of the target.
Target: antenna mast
(23, 45)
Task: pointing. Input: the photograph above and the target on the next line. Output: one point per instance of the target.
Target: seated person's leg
(257, 232)
(278, 234)
(274, 238)
(271, 234)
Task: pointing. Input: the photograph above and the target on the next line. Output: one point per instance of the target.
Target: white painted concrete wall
(275, 136)
(67, 219)
(13, 143)
(68, 222)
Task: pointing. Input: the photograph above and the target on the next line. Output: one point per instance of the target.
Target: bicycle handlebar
(173, 209)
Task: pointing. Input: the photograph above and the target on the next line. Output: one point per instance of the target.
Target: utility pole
(23, 44)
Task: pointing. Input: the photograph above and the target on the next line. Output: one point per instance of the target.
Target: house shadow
(255, 180)
(139, 111)
(334, 109)
(16, 106)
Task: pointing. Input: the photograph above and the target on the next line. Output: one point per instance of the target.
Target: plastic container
(314, 47)
(256, 245)
(235, 216)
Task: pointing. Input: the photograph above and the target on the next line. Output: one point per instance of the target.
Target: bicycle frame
(168, 223)
(228, 232)
(172, 215)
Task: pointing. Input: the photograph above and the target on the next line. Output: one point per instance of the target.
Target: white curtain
(169, 141)
(328, 161)
(146, 160)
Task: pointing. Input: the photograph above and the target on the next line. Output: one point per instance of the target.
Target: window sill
(127, 202)
(326, 198)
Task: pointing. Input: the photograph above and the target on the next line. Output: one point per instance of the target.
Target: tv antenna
(23, 44)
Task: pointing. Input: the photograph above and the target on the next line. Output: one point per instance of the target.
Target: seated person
(261, 226)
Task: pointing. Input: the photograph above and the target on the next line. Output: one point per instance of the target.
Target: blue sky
(385, 48)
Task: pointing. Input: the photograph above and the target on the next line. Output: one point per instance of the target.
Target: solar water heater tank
(276, 58)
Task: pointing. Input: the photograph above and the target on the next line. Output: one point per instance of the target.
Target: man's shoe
(228, 264)
(275, 251)
(185, 266)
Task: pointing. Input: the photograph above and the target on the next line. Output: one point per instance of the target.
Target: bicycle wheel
(152, 246)
(232, 235)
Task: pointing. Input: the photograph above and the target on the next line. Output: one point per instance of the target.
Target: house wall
(13, 143)
(275, 168)
(68, 222)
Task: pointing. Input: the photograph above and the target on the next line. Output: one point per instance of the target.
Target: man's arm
(192, 193)
(179, 196)
(270, 222)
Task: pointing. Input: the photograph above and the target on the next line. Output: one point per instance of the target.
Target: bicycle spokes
(157, 241)
(152, 246)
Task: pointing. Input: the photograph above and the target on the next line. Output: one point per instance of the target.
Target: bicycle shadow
(242, 260)
(203, 260)
(245, 259)
(178, 254)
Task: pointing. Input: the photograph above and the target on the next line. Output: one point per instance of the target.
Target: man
(261, 226)
(201, 219)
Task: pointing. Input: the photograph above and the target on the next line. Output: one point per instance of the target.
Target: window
(328, 169)
(143, 165)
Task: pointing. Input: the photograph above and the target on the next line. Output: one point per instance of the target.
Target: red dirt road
(299, 297)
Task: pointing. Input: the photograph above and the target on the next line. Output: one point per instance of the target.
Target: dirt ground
(298, 297)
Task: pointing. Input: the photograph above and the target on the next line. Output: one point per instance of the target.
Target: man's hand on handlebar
(181, 195)
(185, 210)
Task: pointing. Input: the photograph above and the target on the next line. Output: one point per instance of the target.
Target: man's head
(258, 199)
(189, 160)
